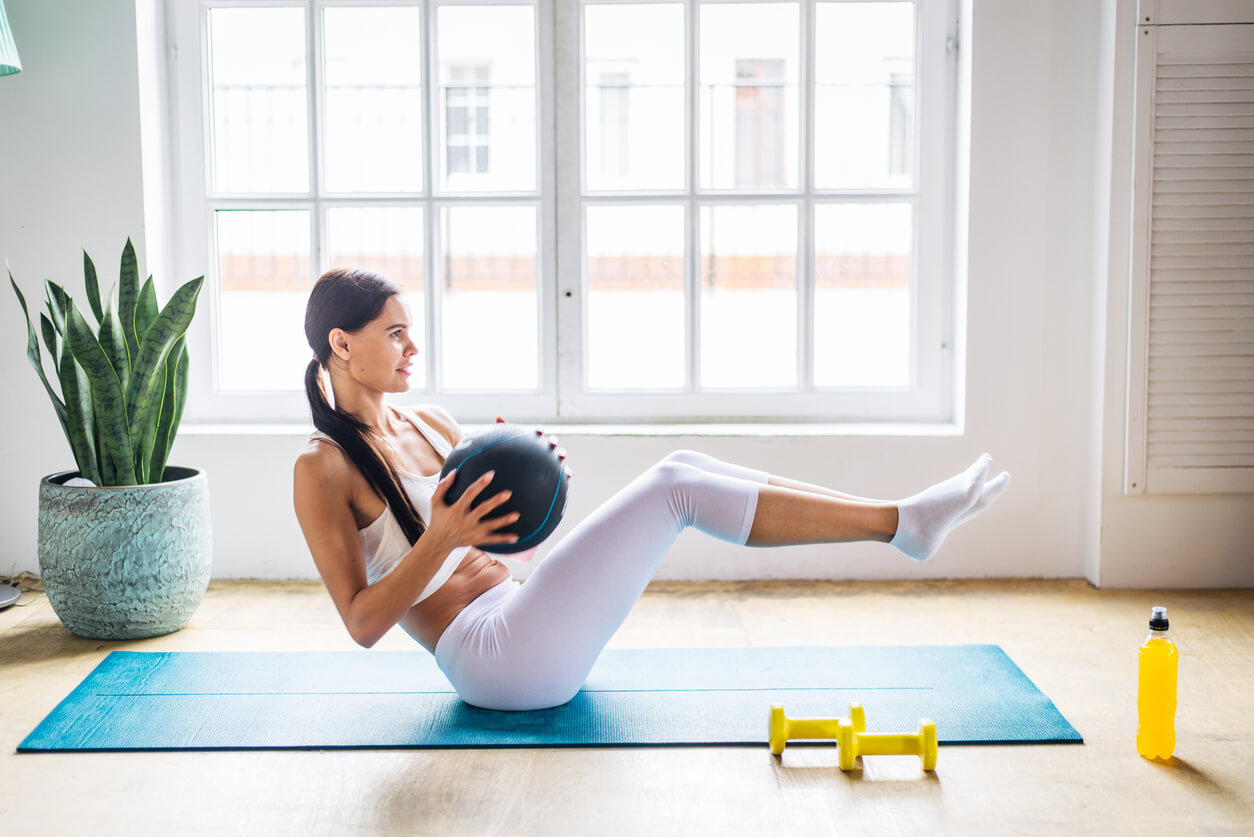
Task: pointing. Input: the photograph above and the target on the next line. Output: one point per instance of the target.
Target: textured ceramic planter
(127, 562)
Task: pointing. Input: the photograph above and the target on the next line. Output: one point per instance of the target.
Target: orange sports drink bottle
(1156, 691)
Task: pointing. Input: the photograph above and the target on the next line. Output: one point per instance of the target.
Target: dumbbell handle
(812, 728)
(889, 743)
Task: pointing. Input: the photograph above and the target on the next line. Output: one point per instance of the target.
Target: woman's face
(380, 353)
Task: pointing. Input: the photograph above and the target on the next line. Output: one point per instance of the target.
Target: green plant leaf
(146, 308)
(58, 302)
(108, 473)
(171, 407)
(36, 360)
(147, 434)
(82, 420)
(51, 338)
(114, 345)
(52, 318)
(166, 329)
(108, 399)
(128, 296)
(93, 287)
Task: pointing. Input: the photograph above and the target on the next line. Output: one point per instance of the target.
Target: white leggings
(531, 646)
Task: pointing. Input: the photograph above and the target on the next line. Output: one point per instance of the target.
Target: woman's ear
(338, 338)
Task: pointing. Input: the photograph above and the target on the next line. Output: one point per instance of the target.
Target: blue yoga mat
(647, 697)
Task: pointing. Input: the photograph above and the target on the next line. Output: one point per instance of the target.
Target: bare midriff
(476, 574)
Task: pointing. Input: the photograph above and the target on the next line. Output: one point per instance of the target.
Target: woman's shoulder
(438, 418)
(322, 461)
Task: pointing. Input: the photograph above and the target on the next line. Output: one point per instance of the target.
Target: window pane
(373, 78)
(388, 242)
(634, 100)
(862, 317)
(257, 81)
(490, 298)
(635, 310)
(749, 111)
(459, 121)
(748, 296)
(487, 98)
(263, 269)
(864, 77)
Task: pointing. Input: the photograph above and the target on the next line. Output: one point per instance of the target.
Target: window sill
(730, 429)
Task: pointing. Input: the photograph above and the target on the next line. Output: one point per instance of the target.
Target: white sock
(991, 491)
(924, 519)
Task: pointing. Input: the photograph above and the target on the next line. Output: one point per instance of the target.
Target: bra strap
(433, 436)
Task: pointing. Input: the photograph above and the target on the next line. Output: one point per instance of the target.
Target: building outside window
(615, 102)
(467, 118)
(759, 124)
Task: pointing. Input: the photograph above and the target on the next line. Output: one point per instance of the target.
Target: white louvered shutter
(1191, 361)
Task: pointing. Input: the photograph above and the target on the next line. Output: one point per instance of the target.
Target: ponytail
(349, 300)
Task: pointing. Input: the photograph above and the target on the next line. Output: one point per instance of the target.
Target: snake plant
(124, 383)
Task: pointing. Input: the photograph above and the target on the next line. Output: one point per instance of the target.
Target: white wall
(1045, 365)
(70, 179)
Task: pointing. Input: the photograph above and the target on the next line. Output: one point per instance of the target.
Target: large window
(597, 210)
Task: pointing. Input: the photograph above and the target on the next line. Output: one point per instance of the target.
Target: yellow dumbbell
(852, 738)
(783, 728)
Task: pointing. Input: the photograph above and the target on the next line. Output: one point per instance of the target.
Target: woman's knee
(686, 457)
(673, 471)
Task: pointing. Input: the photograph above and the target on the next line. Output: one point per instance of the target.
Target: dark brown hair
(348, 300)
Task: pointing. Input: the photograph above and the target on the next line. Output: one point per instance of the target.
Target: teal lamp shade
(9, 62)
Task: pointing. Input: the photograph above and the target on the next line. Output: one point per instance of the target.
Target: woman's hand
(561, 452)
(457, 524)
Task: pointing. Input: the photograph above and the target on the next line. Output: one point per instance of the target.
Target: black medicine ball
(526, 466)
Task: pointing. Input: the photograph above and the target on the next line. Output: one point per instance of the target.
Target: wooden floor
(1076, 643)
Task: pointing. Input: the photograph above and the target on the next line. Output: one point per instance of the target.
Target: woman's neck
(367, 405)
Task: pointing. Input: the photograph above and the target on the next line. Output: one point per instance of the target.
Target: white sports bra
(383, 541)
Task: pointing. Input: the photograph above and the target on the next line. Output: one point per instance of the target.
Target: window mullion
(805, 220)
(315, 105)
(568, 107)
(692, 264)
(432, 275)
(548, 292)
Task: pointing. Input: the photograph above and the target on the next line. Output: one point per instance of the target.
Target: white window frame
(560, 395)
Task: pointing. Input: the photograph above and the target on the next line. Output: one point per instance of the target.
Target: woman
(391, 550)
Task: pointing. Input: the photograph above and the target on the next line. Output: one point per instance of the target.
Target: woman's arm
(323, 499)
(322, 493)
